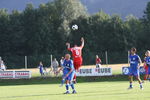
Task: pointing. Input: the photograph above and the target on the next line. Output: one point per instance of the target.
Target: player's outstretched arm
(144, 64)
(82, 42)
(68, 45)
(69, 73)
(140, 61)
(61, 68)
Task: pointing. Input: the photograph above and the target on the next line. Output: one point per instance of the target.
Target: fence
(15, 62)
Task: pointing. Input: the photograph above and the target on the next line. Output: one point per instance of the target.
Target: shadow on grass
(57, 80)
(36, 95)
(104, 94)
(91, 93)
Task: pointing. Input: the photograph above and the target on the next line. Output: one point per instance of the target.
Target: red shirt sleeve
(69, 49)
(98, 60)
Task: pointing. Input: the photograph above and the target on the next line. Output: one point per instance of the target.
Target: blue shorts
(148, 70)
(41, 71)
(134, 72)
(70, 76)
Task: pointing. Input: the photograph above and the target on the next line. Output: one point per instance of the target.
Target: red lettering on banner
(6, 74)
(15, 74)
(22, 74)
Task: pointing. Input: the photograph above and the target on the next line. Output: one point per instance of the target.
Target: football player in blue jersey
(135, 62)
(68, 73)
(147, 62)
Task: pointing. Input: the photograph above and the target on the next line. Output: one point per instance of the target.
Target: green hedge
(57, 80)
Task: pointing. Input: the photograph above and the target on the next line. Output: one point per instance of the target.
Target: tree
(144, 37)
(16, 31)
(69, 10)
(4, 33)
(134, 27)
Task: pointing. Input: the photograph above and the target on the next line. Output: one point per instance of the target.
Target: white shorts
(98, 65)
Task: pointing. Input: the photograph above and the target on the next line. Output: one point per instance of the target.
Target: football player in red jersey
(77, 55)
(145, 66)
(98, 62)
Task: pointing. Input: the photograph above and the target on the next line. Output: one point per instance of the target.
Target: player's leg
(67, 86)
(97, 66)
(148, 76)
(71, 76)
(130, 81)
(140, 82)
(76, 68)
(100, 65)
(145, 77)
(41, 72)
(63, 79)
(138, 78)
(77, 65)
(130, 78)
(55, 72)
(74, 78)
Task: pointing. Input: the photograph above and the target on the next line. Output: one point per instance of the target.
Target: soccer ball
(74, 27)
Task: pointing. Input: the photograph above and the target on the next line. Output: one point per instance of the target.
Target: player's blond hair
(67, 56)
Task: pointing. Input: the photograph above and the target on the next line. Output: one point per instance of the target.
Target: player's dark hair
(73, 44)
(133, 49)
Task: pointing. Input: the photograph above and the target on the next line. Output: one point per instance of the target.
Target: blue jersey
(67, 66)
(147, 60)
(134, 61)
(41, 68)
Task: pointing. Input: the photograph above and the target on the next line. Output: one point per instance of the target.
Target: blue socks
(72, 86)
(130, 85)
(67, 87)
(141, 85)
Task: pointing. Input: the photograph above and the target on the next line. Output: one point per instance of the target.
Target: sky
(120, 7)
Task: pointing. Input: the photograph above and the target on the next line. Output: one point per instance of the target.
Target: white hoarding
(104, 71)
(15, 74)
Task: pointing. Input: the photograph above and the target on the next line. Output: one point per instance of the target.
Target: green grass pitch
(86, 91)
